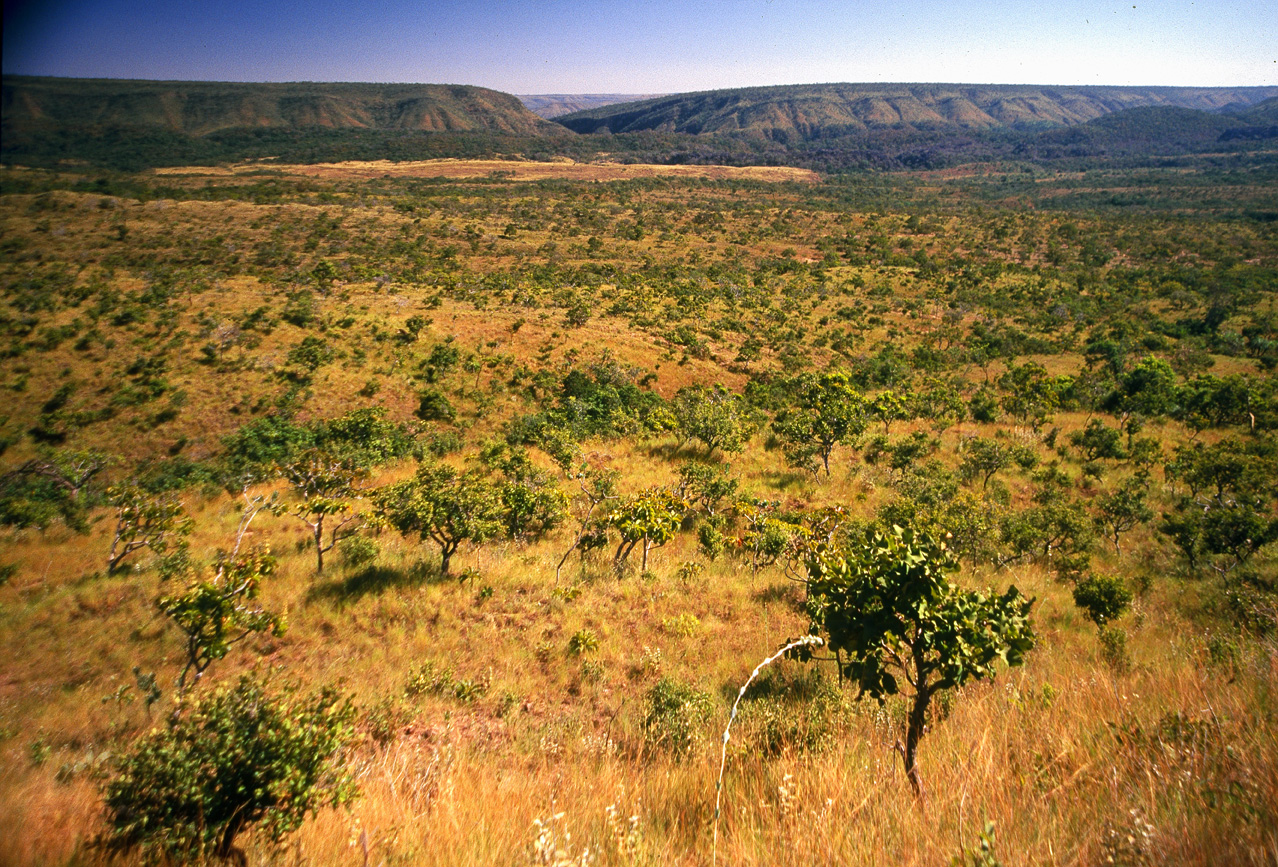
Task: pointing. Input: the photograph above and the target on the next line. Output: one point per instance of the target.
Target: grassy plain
(165, 309)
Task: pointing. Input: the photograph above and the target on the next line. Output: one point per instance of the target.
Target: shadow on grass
(689, 451)
(785, 480)
(786, 680)
(786, 593)
(374, 581)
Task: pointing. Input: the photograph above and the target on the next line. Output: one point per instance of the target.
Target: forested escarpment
(134, 125)
(203, 107)
(805, 112)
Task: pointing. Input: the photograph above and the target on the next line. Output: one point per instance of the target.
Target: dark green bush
(1102, 597)
(434, 405)
(240, 757)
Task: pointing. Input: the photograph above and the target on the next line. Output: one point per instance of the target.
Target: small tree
(1056, 529)
(445, 506)
(142, 521)
(326, 487)
(56, 484)
(598, 486)
(1098, 441)
(715, 416)
(1031, 395)
(531, 502)
(652, 518)
(1123, 510)
(897, 625)
(889, 406)
(983, 458)
(827, 411)
(705, 486)
(238, 758)
(215, 609)
(766, 537)
(1227, 513)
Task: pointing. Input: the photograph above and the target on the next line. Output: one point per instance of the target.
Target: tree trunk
(445, 556)
(319, 546)
(913, 732)
(226, 848)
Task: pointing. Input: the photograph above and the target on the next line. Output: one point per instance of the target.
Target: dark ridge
(802, 113)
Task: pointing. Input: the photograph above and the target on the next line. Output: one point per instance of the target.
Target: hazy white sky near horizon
(646, 47)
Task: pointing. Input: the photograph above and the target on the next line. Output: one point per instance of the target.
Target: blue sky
(564, 46)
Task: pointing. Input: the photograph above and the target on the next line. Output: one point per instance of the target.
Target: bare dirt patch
(504, 169)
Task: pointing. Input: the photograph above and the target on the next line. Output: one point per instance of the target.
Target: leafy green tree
(1098, 441)
(413, 327)
(675, 715)
(767, 536)
(443, 358)
(239, 758)
(825, 411)
(363, 438)
(54, 485)
(1211, 401)
(898, 625)
(706, 486)
(890, 406)
(309, 356)
(905, 453)
(982, 458)
(531, 502)
(434, 405)
(1057, 531)
(145, 520)
(327, 489)
(324, 273)
(1149, 388)
(715, 416)
(1123, 509)
(941, 402)
(984, 405)
(257, 450)
(651, 518)
(1227, 513)
(1030, 394)
(215, 609)
(443, 505)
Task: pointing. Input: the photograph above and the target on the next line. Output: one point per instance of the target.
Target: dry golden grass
(513, 170)
(1053, 753)
(1069, 756)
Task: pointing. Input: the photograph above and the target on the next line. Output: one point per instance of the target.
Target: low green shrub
(240, 757)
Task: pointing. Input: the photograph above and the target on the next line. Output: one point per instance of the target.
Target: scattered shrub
(1102, 597)
(238, 758)
(583, 641)
(357, 551)
(1114, 649)
(676, 716)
